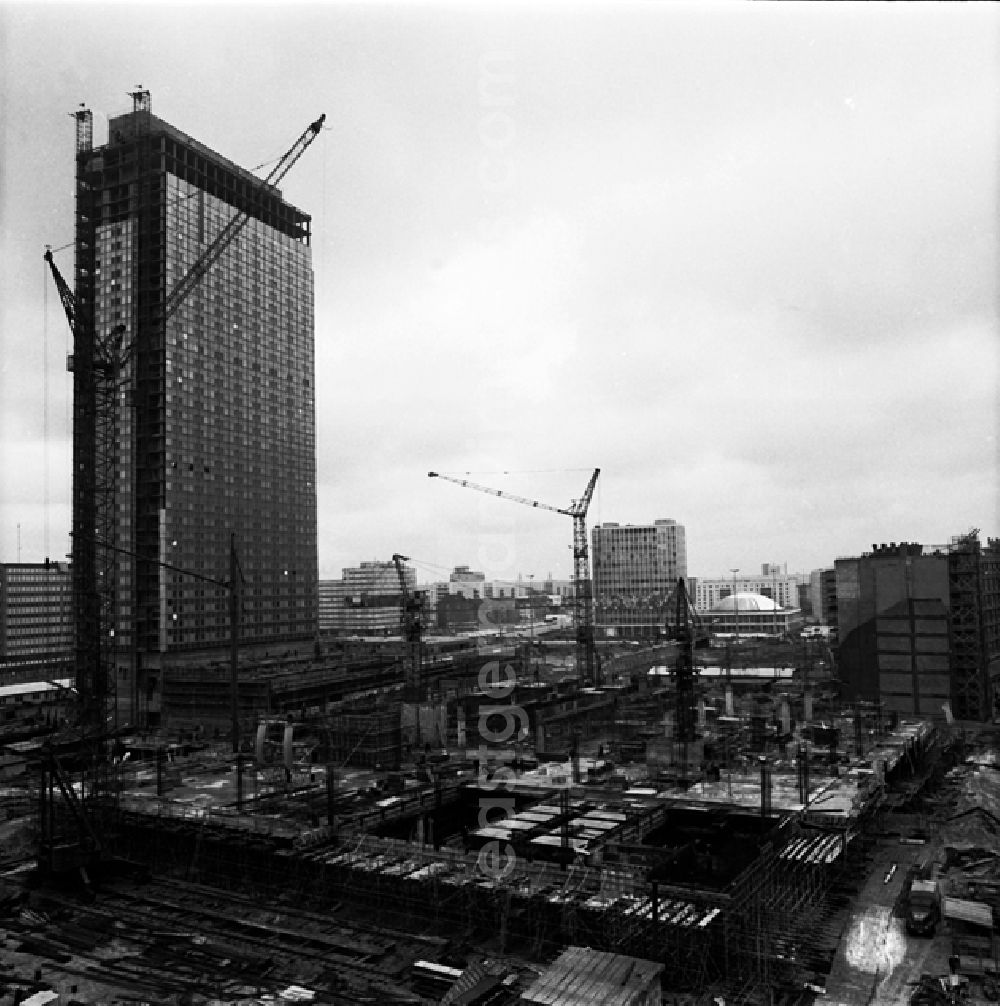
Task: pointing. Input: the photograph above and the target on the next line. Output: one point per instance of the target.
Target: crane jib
(588, 661)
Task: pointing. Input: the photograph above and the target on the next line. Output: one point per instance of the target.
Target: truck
(923, 907)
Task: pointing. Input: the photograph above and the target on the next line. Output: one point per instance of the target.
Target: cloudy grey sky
(740, 257)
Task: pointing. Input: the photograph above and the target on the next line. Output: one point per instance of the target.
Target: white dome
(746, 601)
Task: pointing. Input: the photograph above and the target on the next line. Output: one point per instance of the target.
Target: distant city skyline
(740, 257)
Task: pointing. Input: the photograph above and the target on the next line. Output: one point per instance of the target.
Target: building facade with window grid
(367, 600)
(918, 627)
(635, 569)
(36, 619)
(216, 416)
(781, 587)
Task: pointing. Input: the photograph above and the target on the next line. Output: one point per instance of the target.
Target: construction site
(734, 860)
(549, 817)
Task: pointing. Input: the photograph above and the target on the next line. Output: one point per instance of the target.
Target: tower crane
(98, 364)
(586, 658)
(412, 626)
(684, 627)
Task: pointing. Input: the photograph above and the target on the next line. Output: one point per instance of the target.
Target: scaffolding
(769, 921)
(367, 737)
(970, 684)
(771, 924)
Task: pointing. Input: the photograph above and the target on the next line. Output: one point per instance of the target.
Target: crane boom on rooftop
(237, 222)
(586, 660)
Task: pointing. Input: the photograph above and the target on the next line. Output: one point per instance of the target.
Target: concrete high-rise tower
(215, 422)
(636, 567)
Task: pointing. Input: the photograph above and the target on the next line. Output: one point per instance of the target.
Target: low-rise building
(366, 601)
(748, 614)
(773, 581)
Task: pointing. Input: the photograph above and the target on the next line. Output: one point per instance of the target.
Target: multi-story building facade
(774, 582)
(367, 600)
(215, 424)
(823, 596)
(519, 588)
(329, 602)
(917, 629)
(467, 582)
(990, 581)
(805, 600)
(634, 570)
(562, 592)
(468, 602)
(36, 621)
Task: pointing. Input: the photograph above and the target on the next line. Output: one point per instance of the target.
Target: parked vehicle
(923, 907)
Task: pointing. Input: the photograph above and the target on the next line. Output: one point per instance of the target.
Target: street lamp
(736, 606)
(774, 598)
(531, 622)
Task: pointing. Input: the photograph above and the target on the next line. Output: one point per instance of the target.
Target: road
(877, 961)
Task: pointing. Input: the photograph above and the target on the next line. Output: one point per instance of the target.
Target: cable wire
(45, 409)
(522, 471)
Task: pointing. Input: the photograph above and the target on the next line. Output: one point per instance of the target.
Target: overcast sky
(742, 258)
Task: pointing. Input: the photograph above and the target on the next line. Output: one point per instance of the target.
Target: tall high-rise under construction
(214, 422)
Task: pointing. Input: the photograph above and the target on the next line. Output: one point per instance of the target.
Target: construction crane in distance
(586, 660)
(684, 627)
(413, 627)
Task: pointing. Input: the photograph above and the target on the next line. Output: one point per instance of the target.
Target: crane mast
(685, 628)
(586, 657)
(97, 363)
(412, 619)
(585, 651)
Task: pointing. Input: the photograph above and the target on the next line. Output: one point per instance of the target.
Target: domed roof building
(748, 614)
(746, 601)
